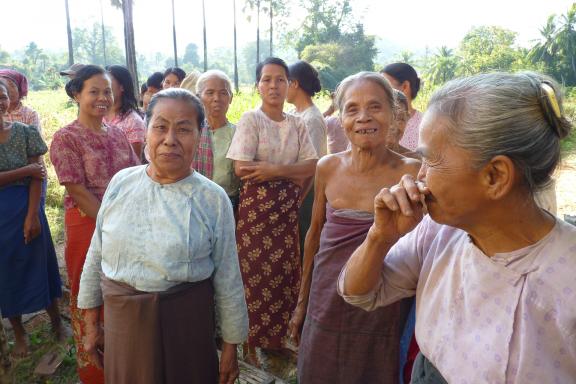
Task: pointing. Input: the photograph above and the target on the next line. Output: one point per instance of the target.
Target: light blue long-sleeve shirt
(153, 237)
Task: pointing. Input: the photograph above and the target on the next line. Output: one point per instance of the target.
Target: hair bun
(552, 110)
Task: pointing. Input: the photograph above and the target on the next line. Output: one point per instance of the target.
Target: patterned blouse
(82, 156)
(131, 124)
(412, 132)
(259, 138)
(24, 115)
(24, 142)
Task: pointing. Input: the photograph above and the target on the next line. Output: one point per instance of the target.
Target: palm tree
(235, 51)
(103, 33)
(257, 31)
(129, 46)
(545, 51)
(271, 6)
(205, 43)
(174, 35)
(69, 31)
(443, 66)
(566, 42)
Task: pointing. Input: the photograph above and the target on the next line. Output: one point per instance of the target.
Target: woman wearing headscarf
(17, 85)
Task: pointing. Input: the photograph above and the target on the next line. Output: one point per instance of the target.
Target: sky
(410, 24)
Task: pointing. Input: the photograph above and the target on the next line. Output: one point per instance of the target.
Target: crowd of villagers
(379, 244)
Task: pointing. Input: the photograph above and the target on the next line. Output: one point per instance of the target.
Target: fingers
(396, 199)
(413, 188)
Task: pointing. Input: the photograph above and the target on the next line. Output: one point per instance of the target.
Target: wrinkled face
(117, 89)
(273, 85)
(171, 81)
(4, 100)
(366, 115)
(96, 97)
(172, 137)
(456, 192)
(216, 97)
(13, 93)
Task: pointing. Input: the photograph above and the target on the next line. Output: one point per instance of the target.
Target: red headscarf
(19, 79)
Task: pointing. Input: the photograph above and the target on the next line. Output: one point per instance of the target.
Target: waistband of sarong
(117, 288)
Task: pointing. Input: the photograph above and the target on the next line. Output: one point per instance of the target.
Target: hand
(259, 172)
(32, 227)
(229, 370)
(296, 323)
(94, 343)
(398, 210)
(36, 171)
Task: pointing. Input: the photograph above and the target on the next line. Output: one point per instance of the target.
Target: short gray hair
(505, 114)
(373, 77)
(201, 83)
(177, 94)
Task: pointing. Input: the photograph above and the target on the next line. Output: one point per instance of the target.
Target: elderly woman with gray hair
(493, 274)
(215, 90)
(162, 271)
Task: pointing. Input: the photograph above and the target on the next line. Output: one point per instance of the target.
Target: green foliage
(336, 48)
(89, 47)
(486, 49)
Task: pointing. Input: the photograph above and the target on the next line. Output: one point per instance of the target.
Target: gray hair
(177, 94)
(506, 114)
(201, 83)
(373, 77)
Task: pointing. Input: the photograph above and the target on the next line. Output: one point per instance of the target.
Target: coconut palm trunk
(69, 32)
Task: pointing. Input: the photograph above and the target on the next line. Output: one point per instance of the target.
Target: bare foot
(20, 347)
(61, 332)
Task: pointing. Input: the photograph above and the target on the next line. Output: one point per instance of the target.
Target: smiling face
(172, 138)
(171, 81)
(456, 190)
(273, 85)
(4, 99)
(216, 97)
(366, 114)
(13, 93)
(95, 98)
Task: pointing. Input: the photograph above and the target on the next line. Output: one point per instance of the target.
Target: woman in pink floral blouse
(124, 112)
(86, 154)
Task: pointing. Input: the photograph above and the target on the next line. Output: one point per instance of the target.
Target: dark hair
(75, 85)
(155, 80)
(177, 94)
(307, 77)
(143, 88)
(271, 60)
(178, 72)
(404, 72)
(123, 77)
(401, 99)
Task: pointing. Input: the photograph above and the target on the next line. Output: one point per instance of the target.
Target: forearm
(34, 197)
(311, 246)
(298, 172)
(8, 177)
(84, 199)
(363, 270)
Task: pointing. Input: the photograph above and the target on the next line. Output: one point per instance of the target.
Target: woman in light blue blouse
(164, 245)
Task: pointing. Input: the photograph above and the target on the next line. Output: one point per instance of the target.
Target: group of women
(162, 261)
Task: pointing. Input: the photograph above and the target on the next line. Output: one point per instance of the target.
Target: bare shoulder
(330, 163)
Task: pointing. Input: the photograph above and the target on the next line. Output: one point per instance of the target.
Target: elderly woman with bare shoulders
(340, 343)
(493, 274)
(164, 273)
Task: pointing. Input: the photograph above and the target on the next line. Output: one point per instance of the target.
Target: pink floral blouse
(131, 124)
(82, 156)
(412, 132)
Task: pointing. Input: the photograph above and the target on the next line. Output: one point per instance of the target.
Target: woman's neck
(115, 110)
(14, 107)
(274, 112)
(366, 159)
(90, 122)
(215, 122)
(302, 102)
(520, 223)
